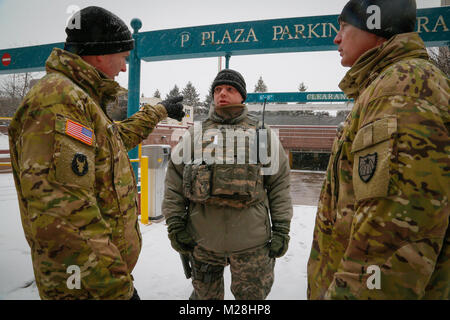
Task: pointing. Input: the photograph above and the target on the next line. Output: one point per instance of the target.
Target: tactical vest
(223, 178)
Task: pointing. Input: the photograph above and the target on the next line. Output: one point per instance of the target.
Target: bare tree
(441, 58)
(16, 85)
(13, 88)
(118, 109)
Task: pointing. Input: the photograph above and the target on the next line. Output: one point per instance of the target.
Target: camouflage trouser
(252, 274)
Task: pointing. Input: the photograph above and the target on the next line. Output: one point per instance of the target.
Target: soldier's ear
(95, 61)
(381, 40)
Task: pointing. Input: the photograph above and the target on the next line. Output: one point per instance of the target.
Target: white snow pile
(4, 144)
(158, 274)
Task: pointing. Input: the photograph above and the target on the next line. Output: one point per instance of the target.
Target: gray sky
(34, 22)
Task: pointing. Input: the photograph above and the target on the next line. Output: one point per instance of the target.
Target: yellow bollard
(140, 151)
(151, 182)
(144, 190)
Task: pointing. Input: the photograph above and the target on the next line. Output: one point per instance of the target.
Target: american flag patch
(79, 132)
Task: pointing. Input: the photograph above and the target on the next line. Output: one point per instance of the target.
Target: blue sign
(335, 96)
(241, 38)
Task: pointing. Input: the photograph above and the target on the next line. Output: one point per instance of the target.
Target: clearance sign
(335, 96)
(241, 38)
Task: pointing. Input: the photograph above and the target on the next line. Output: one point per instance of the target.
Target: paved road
(4, 158)
(305, 187)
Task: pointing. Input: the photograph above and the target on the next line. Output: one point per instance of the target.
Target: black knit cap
(231, 78)
(396, 16)
(98, 32)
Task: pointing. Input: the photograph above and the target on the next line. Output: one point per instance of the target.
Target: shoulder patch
(367, 166)
(79, 132)
(80, 165)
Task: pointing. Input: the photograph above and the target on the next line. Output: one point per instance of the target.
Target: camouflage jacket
(227, 204)
(381, 228)
(76, 188)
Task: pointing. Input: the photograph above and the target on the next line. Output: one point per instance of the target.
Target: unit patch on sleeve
(80, 164)
(79, 132)
(367, 166)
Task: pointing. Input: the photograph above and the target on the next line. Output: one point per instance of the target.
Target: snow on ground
(158, 274)
(4, 144)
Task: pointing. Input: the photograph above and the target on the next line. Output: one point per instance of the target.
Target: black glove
(135, 295)
(180, 239)
(174, 108)
(280, 242)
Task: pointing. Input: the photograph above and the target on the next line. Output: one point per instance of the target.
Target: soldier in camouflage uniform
(381, 228)
(222, 207)
(76, 188)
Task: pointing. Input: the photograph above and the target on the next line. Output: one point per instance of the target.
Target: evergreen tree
(157, 94)
(191, 97)
(175, 92)
(208, 100)
(260, 86)
(302, 87)
(202, 109)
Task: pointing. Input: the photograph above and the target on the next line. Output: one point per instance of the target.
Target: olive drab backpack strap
(195, 175)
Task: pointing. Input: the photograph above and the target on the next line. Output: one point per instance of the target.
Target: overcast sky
(33, 22)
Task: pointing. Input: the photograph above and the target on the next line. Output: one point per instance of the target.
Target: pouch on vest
(197, 182)
(238, 181)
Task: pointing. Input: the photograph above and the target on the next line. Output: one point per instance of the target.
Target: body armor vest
(226, 172)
